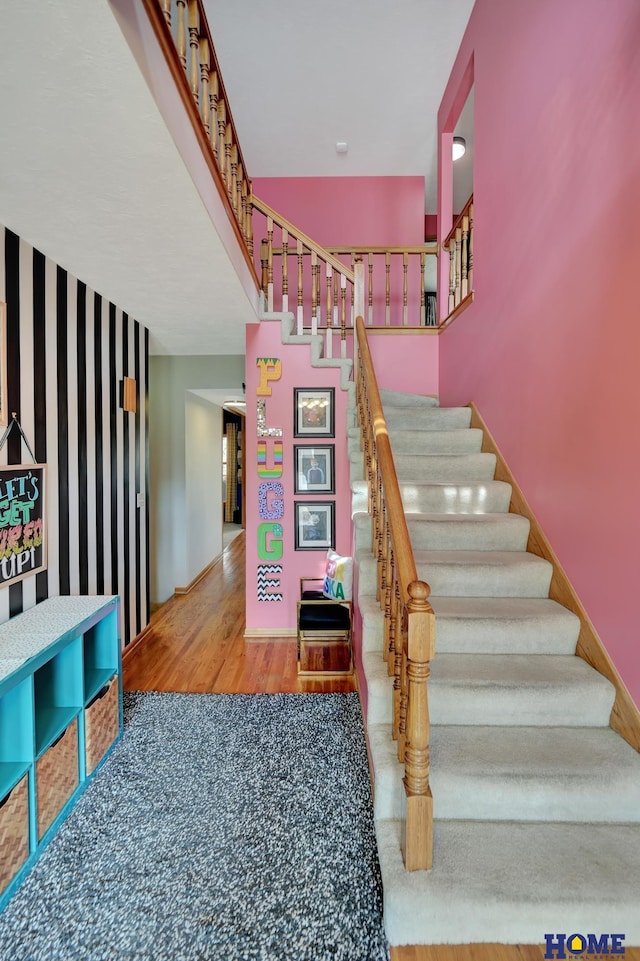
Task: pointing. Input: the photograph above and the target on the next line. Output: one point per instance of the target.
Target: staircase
(536, 798)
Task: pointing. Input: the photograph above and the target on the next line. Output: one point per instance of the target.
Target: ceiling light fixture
(342, 146)
(459, 148)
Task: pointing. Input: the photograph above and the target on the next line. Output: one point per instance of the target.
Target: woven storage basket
(102, 722)
(14, 832)
(57, 776)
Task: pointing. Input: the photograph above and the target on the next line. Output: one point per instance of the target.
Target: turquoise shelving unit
(55, 660)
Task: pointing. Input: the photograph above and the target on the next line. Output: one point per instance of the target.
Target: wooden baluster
(352, 315)
(329, 343)
(405, 269)
(166, 9)
(470, 270)
(370, 293)
(387, 296)
(264, 261)
(314, 292)
(213, 112)
(205, 107)
(390, 629)
(222, 124)
(402, 721)
(270, 265)
(358, 290)
(464, 289)
(181, 41)
(452, 275)
(399, 688)
(233, 158)
(343, 316)
(228, 141)
(417, 830)
(194, 44)
(285, 269)
(241, 198)
(300, 311)
(458, 262)
(423, 293)
(336, 296)
(249, 224)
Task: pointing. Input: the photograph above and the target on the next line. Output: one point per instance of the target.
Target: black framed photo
(315, 525)
(313, 411)
(314, 471)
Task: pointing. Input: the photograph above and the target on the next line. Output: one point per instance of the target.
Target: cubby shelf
(54, 659)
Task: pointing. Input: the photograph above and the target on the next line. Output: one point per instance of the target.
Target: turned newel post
(264, 262)
(417, 837)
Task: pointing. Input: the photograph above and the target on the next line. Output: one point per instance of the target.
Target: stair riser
(497, 706)
(459, 580)
(433, 468)
(477, 636)
(467, 441)
(444, 468)
(489, 497)
(508, 533)
(438, 418)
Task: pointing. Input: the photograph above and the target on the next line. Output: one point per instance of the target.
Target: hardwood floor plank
(196, 643)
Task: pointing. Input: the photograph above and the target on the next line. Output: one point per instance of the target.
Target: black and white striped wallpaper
(67, 350)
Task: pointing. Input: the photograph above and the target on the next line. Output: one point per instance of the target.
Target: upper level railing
(184, 35)
(323, 288)
(409, 644)
(459, 244)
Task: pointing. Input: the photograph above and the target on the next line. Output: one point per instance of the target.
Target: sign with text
(23, 548)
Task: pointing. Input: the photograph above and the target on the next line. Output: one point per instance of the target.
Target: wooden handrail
(307, 242)
(409, 632)
(407, 572)
(428, 249)
(457, 223)
(194, 66)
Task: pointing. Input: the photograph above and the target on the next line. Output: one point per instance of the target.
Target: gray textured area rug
(221, 827)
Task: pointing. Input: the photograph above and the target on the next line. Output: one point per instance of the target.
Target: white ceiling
(90, 175)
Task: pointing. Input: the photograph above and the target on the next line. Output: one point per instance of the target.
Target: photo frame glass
(314, 470)
(314, 412)
(315, 525)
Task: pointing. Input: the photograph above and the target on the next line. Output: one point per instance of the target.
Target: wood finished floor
(196, 644)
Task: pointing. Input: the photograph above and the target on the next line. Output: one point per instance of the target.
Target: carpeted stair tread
(511, 882)
(518, 689)
(517, 773)
(503, 625)
(397, 398)
(427, 418)
(484, 573)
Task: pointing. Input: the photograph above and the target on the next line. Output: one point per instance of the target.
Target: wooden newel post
(417, 834)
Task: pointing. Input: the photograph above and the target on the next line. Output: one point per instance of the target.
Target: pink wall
(263, 340)
(549, 350)
(336, 211)
(406, 362)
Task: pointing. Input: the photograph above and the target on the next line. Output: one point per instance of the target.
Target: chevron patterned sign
(267, 582)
